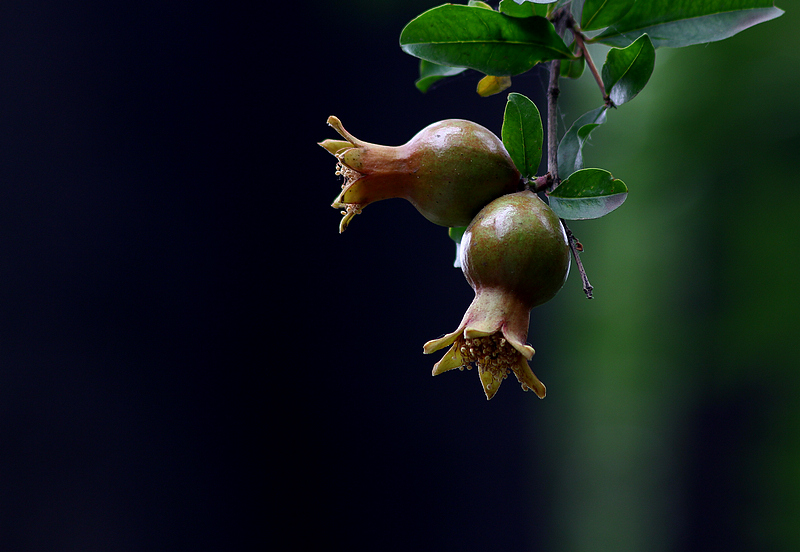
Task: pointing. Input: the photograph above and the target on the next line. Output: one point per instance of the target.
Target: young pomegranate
(515, 255)
(448, 171)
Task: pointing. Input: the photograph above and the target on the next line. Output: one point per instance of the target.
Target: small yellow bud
(489, 85)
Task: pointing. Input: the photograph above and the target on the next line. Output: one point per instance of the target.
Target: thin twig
(576, 247)
(559, 20)
(579, 40)
(552, 123)
(541, 183)
(551, 180)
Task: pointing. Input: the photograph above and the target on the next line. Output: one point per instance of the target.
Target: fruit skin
(449, 171)
(515, 256)
(518, 244)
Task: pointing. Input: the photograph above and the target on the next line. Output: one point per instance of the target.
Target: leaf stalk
(580, 40)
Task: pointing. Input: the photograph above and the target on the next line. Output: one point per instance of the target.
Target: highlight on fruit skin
(449, 171)
(515, 256)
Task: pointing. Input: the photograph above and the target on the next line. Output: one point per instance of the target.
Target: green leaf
(573, 68)
(485, 40)
(570, 155)
(522, 134)
(574, 6)
(598, 14)
(430, 73)
(587, 194)
(456, 233)
(525, 9)
(627, 70)
(677, 23)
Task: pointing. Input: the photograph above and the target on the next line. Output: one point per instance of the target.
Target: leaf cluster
(520, 34)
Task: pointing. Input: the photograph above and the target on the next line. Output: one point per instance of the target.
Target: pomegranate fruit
(449, 170)
(515, 256)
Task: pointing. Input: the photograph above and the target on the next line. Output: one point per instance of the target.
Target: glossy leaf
(677, 23)
(429, 73)
(523, 9)
(456, 233)
(570, 150)
(573, 68)
(574, 6)
(485, 40)
(627, 70)
(598, 14)
(522, 134)
(587, 194)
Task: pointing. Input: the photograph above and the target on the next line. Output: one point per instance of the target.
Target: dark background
(192, 358)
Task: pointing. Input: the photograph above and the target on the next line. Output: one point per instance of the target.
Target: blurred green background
(678, 422)
(672, 420)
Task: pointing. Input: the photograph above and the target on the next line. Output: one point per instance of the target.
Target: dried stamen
(349, 174)
(490, 353)
(350, 210)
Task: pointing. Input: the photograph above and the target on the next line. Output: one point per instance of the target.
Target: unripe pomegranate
(515, 255)
(448, 171)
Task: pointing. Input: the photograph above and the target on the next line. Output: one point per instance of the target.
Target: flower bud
(515, 255)
(449, 170)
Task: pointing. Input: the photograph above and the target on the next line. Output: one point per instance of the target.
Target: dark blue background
(184, 337)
